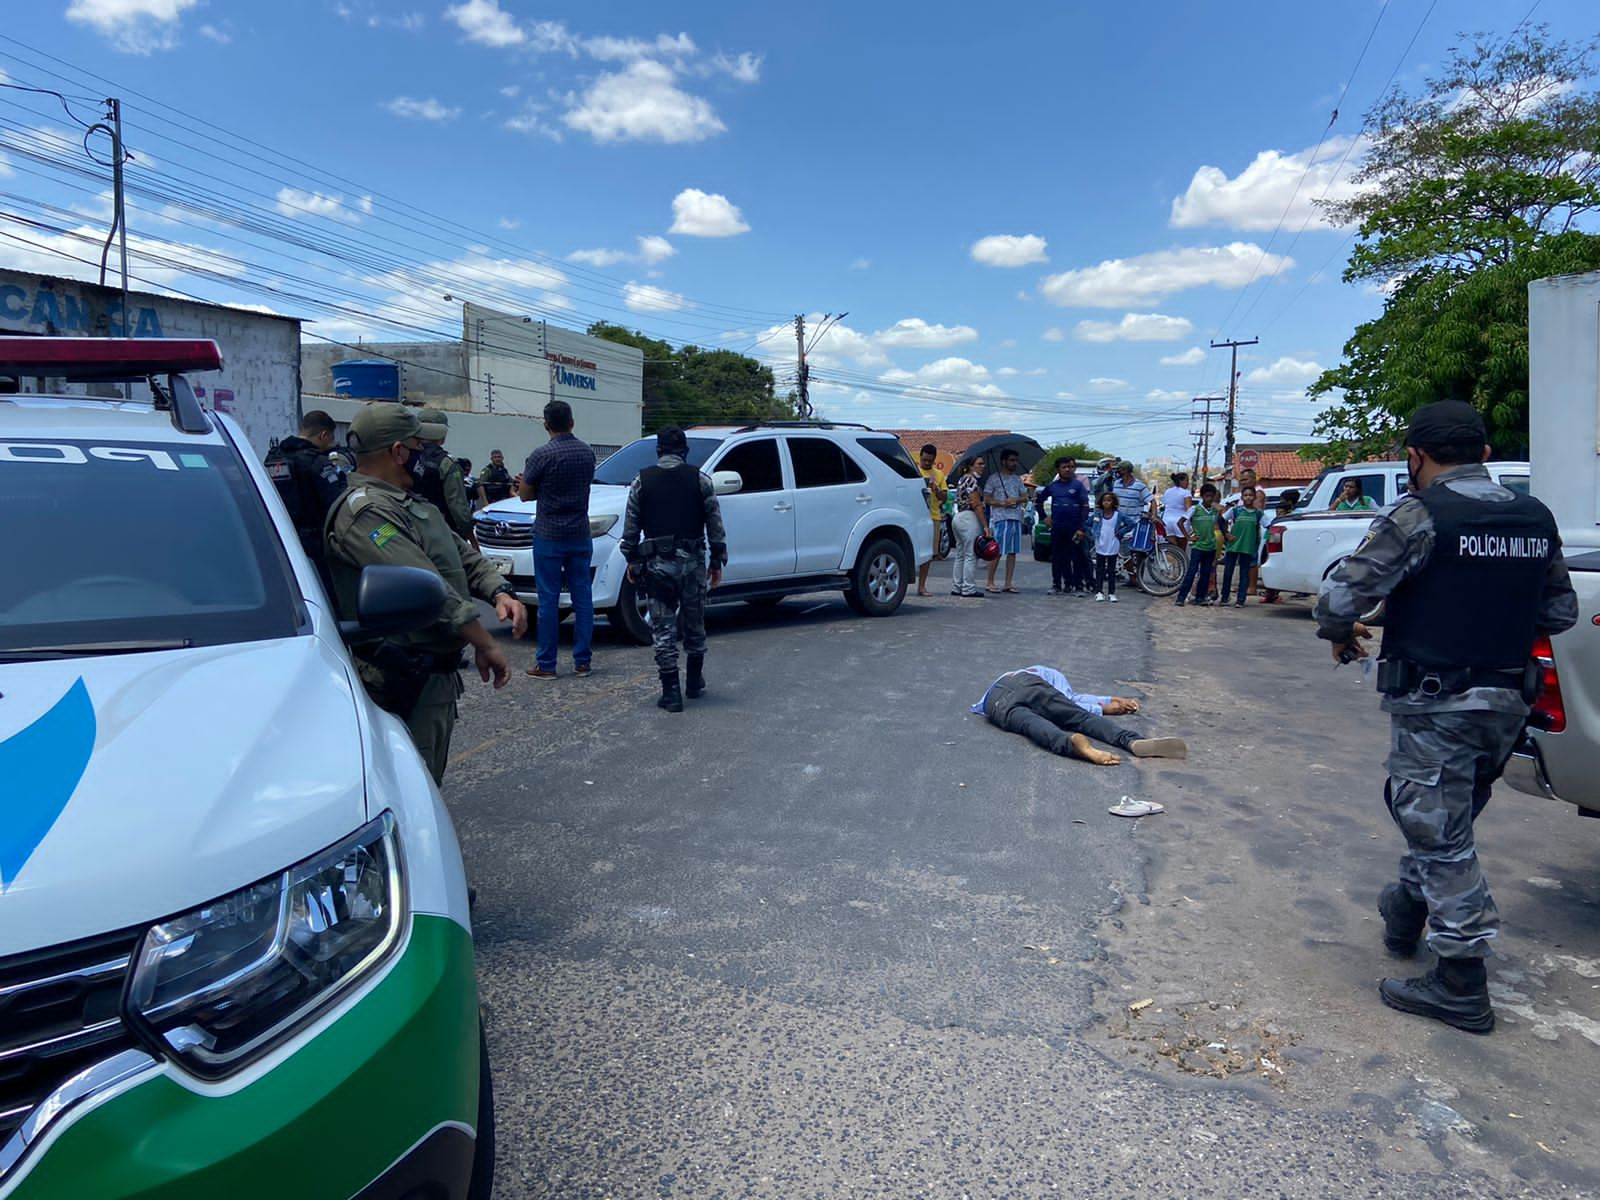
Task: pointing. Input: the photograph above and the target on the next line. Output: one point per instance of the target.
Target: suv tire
(879, 578)
(629, 615)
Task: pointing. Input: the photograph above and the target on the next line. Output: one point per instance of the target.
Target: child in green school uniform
(1244, 538)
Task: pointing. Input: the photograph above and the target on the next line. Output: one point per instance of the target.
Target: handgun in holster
(397, 677)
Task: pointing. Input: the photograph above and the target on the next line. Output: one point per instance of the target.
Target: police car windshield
(135, 544)
(623, 467)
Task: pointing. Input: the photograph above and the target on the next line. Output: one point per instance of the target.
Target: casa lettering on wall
(45, 310)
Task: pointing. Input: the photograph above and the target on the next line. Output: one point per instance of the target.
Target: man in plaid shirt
(558, 475)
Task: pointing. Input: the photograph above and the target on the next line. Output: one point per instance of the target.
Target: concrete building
(259, 384)
(498, 378)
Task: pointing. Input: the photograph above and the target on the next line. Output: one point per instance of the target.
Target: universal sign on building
(517, 365)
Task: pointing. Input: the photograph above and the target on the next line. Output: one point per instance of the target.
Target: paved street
(827, 934)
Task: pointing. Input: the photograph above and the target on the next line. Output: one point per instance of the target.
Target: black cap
(1446, 423)
(671, 440)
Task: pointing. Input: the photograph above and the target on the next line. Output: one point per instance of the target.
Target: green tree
(1086, 455)
(691, 386)
(1468, 191)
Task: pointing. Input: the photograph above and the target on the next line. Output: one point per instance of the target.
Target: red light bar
(85, 359)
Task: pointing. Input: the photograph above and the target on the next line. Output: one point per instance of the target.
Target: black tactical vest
(306, 480)
(671, 504)
(1476, 601)
(429, 476)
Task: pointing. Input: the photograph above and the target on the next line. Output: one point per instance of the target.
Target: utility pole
(1233, 396)
(119, 200)
(804, 408)
(1202, 458)
(488, 383)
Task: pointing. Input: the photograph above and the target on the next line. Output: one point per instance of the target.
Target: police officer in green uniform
(438, 476)
(379, 520)
(1472, 572)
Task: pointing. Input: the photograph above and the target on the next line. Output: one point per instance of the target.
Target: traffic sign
(1249, 460)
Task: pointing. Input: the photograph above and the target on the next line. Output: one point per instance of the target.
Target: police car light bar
(84, 360)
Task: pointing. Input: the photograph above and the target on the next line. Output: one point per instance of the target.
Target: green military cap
(435, 424)
(378, 426)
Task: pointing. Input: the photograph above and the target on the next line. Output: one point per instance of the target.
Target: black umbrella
(1029, 452)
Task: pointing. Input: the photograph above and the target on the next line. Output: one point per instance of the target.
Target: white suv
(809, 506)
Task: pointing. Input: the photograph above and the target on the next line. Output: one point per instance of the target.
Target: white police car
(809, 506)
(235, 957)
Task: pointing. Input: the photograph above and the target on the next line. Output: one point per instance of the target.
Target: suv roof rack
(802, 425)
(120, 360)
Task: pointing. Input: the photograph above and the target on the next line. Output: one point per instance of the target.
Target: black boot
(694, 686)
(671, 697)
(1456, 992)
(1404, 918)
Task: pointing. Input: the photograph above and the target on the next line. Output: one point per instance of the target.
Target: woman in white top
(1175, 501)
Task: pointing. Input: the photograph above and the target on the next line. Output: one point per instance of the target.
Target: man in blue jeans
(558, 475)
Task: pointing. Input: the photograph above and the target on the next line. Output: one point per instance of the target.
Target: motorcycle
(1152, 562)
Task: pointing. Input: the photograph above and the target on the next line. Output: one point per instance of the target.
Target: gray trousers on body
(676, 586)
(1441, 768)
(1026, 704)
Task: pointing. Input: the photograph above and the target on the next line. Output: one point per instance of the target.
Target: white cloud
(916, 333)
(1008, 371)
(652, 250)
(1053, 335)
(530, 119)
(1009, 250)
(655, 249)
(642, 297)
(599, 258)
(511, 91)
(1192, 357)
(134, 26)
(421, 110)
(946, 374)
(1102, 383)
(1285, 371)
(838, 343)
(1066, 395)
(642, 103)
(664, 46)
(701, 214)
(1163, 394)
(292, 202)
(861, 264)
(1258, 197)
(5, 167)
(1135, 327)
(211, 32)
(484, 22)
(509, 223)
(745, 68)
(1123, 282)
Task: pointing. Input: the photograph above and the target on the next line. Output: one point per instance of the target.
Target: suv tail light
(1274, 540)
(1549, 711)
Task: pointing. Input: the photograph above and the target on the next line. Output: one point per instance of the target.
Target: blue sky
(1035, 217)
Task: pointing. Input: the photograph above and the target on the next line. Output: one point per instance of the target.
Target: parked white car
(234, 934)
(809, 506)
(1303, 547)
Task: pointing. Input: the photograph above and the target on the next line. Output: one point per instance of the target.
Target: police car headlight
(220, 986)
(600, 526)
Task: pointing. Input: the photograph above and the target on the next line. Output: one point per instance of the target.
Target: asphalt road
(828, 934)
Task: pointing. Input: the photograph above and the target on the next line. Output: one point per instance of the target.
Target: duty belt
(1400, 677)
(669, 544)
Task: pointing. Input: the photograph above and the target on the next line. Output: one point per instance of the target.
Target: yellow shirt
(936, 484)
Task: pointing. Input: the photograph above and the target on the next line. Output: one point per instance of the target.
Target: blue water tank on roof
(367, 379)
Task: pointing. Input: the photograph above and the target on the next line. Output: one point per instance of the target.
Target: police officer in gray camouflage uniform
(1472, 572)
(672, 513)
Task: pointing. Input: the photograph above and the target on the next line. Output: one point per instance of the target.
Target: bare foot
(1120, 707)
(1081, 747)
(1160, 748)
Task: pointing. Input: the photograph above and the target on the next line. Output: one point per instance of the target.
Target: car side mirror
(393, 600)
(725, 483)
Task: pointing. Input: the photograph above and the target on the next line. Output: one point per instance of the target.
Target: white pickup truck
(1561, 756)
(1308, 543)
